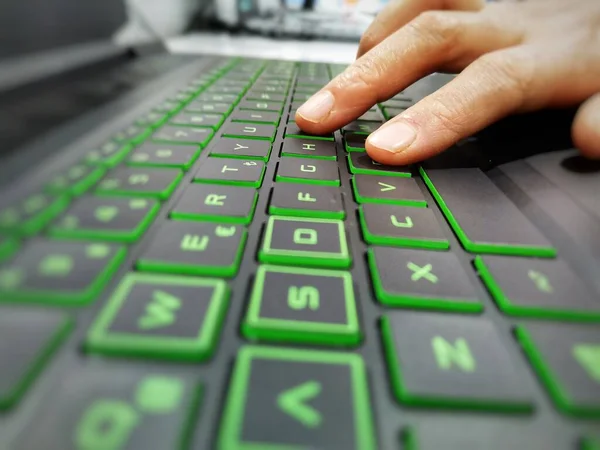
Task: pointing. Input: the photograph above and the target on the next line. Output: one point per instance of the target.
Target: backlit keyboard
(212, 276)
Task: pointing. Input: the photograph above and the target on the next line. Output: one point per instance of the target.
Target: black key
(216, 203)
(313, 148)
(130, 133)
(538, 288)
(301, 96)
(311, 242)
(362, 163)
(317, 80)
(140, 181)
(250, 130)
(102, 407)
(302, 305)
(302, 170)
(256, 117)
(198, 106)
(283, 398)
(270, 88)
(371, 115)
(183, 135)
(260, 105)
(217, 98)
(106, 218)
(32, 214)
(483, 218)
(310, 90)
(28, 338)
(388, 190)
(75, 180)
(355, 142)
(401, 225)
(164, 155)
(241, 148)
(421, 279)
(231, 171)
(236, 90)
(108, 154)
(213, 121)
(166, 106)
(459, 433)
(150, 119)
(57, 272)
(302, 200)
(195, 248)
(361, 127)
(567, 359)
(261, 95)
(167, 317)
(293, 130)
(452, 362)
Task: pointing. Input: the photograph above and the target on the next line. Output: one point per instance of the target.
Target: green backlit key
(567, 359)
(32, 214)
(207, 120)
(225, 98)
(293, 130)
(183, 135)
(106, 218)
(482, 217)
(29, 338)
(231, 171)
(265, 96)
(421, 279)
(75, 180)
(197, 106)
(250, 131)
(355, 142)
(309, 148)
(115, 408)
(167, 317)
(361, 127)
(261, 105)
(8, 246)
(304, 200)
(144, 182)
(240, 148)
(538, 288)
(250, 116)
(216, 203)
(297, 399)
(109, 154)
(311, 171)
(361, 163)
(387, 190)
(164, 155)
(401, 225)
(59, 272)
(302, 305)
(452, 362)
(310, 242)
(195, 248)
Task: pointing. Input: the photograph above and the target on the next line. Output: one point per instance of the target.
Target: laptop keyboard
(342, 266)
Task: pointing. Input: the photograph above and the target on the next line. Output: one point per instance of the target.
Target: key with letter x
(421, 279)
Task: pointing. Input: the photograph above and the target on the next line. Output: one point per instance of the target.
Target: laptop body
(183, 268)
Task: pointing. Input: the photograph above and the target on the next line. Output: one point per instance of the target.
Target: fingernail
(317, 107)
(394, 137)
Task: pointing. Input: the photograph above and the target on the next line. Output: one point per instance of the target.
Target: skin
(512, 57)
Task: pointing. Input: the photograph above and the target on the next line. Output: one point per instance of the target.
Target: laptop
(181, 267)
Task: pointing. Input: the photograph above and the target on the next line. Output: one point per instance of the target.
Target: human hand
(514, 57)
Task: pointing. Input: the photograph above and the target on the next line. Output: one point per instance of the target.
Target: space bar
(482, 217)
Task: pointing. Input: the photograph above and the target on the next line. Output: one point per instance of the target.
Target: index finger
(428, 42)
(399, 12)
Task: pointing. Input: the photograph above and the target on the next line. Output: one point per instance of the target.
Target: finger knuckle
(449, 115)
(437, 26)
(512, 74)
